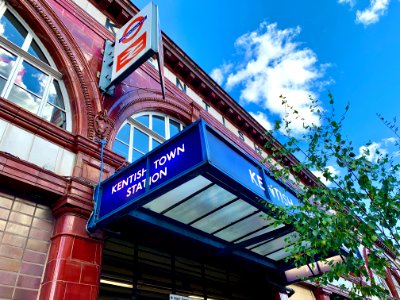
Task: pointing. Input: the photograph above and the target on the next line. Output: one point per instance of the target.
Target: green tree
(361, 205)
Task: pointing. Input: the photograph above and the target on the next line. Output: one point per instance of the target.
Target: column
(73, 265)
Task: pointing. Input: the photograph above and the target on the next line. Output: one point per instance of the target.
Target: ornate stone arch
(84, 100)
(149, 101)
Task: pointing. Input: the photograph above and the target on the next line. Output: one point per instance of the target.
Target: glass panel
(224, 216)
(200, 204)
(155, 143)
(136, 155)
(262, 231)
(174, 196)
(7, 62)
(25, 99)
(54, 115)
(12, 29)
(35, 50)
(55, 96)
(123, 133)
(140, 140)
(278, 255)
(159, 125)
(2, 83)
(144, 120)
(174, 127)
(275, 244)
(32, 79)
(244, 227)
(121, 149)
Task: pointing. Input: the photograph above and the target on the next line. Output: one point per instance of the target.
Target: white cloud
(350, 2)
(376, 150)
(273, 64)
(372, 152)
(391, 140)
(371, 15)
(218, 74)
(319, 174)
(262, 119)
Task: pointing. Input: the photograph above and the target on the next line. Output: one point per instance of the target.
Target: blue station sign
(197, 150)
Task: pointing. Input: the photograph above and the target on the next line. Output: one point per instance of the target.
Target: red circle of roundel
(137, 20)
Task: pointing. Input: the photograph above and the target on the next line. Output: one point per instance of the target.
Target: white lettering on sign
(256, 179)
(277, 194)
(137, 181)
(169, 156)
(125, 182)
(142, 184)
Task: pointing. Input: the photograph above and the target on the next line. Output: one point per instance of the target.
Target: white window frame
(22, 54)
(147, 130)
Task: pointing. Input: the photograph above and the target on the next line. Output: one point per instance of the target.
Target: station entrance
(145, 264)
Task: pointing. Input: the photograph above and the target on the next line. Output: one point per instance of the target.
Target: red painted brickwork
(25, 231)
(73, 266)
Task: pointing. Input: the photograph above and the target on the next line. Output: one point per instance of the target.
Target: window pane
(12, 29)
(35, 50)
(159, 125)
(32, 79)
(136, 155)
(23, 98)
(7, 62)
(121, 149)
(2, 84)
(155, 143)
(140, 141)
(54, 115)
(123, 133)
(174, 127)
(144, 120)
(55, 96)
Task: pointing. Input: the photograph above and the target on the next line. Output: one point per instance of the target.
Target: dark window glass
(121, 149)
(2, 83)
(55, 96)
(174, 127)
(144, 120)
(136, 155)
(54, 115)
(140, 140)
(13, 29)
(123, 134)
(35, 50)
(159, 125)
(25, 99)
(32, 79)
(7, 62)
(155, 143)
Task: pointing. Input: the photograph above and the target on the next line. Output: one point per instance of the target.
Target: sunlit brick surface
(25, 231)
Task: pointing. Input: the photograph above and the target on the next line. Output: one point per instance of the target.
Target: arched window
(143, 132)
(28, 76)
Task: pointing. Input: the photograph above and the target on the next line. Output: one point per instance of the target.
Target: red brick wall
(25, 231)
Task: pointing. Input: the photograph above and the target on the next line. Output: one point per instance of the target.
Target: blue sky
(260, 49)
